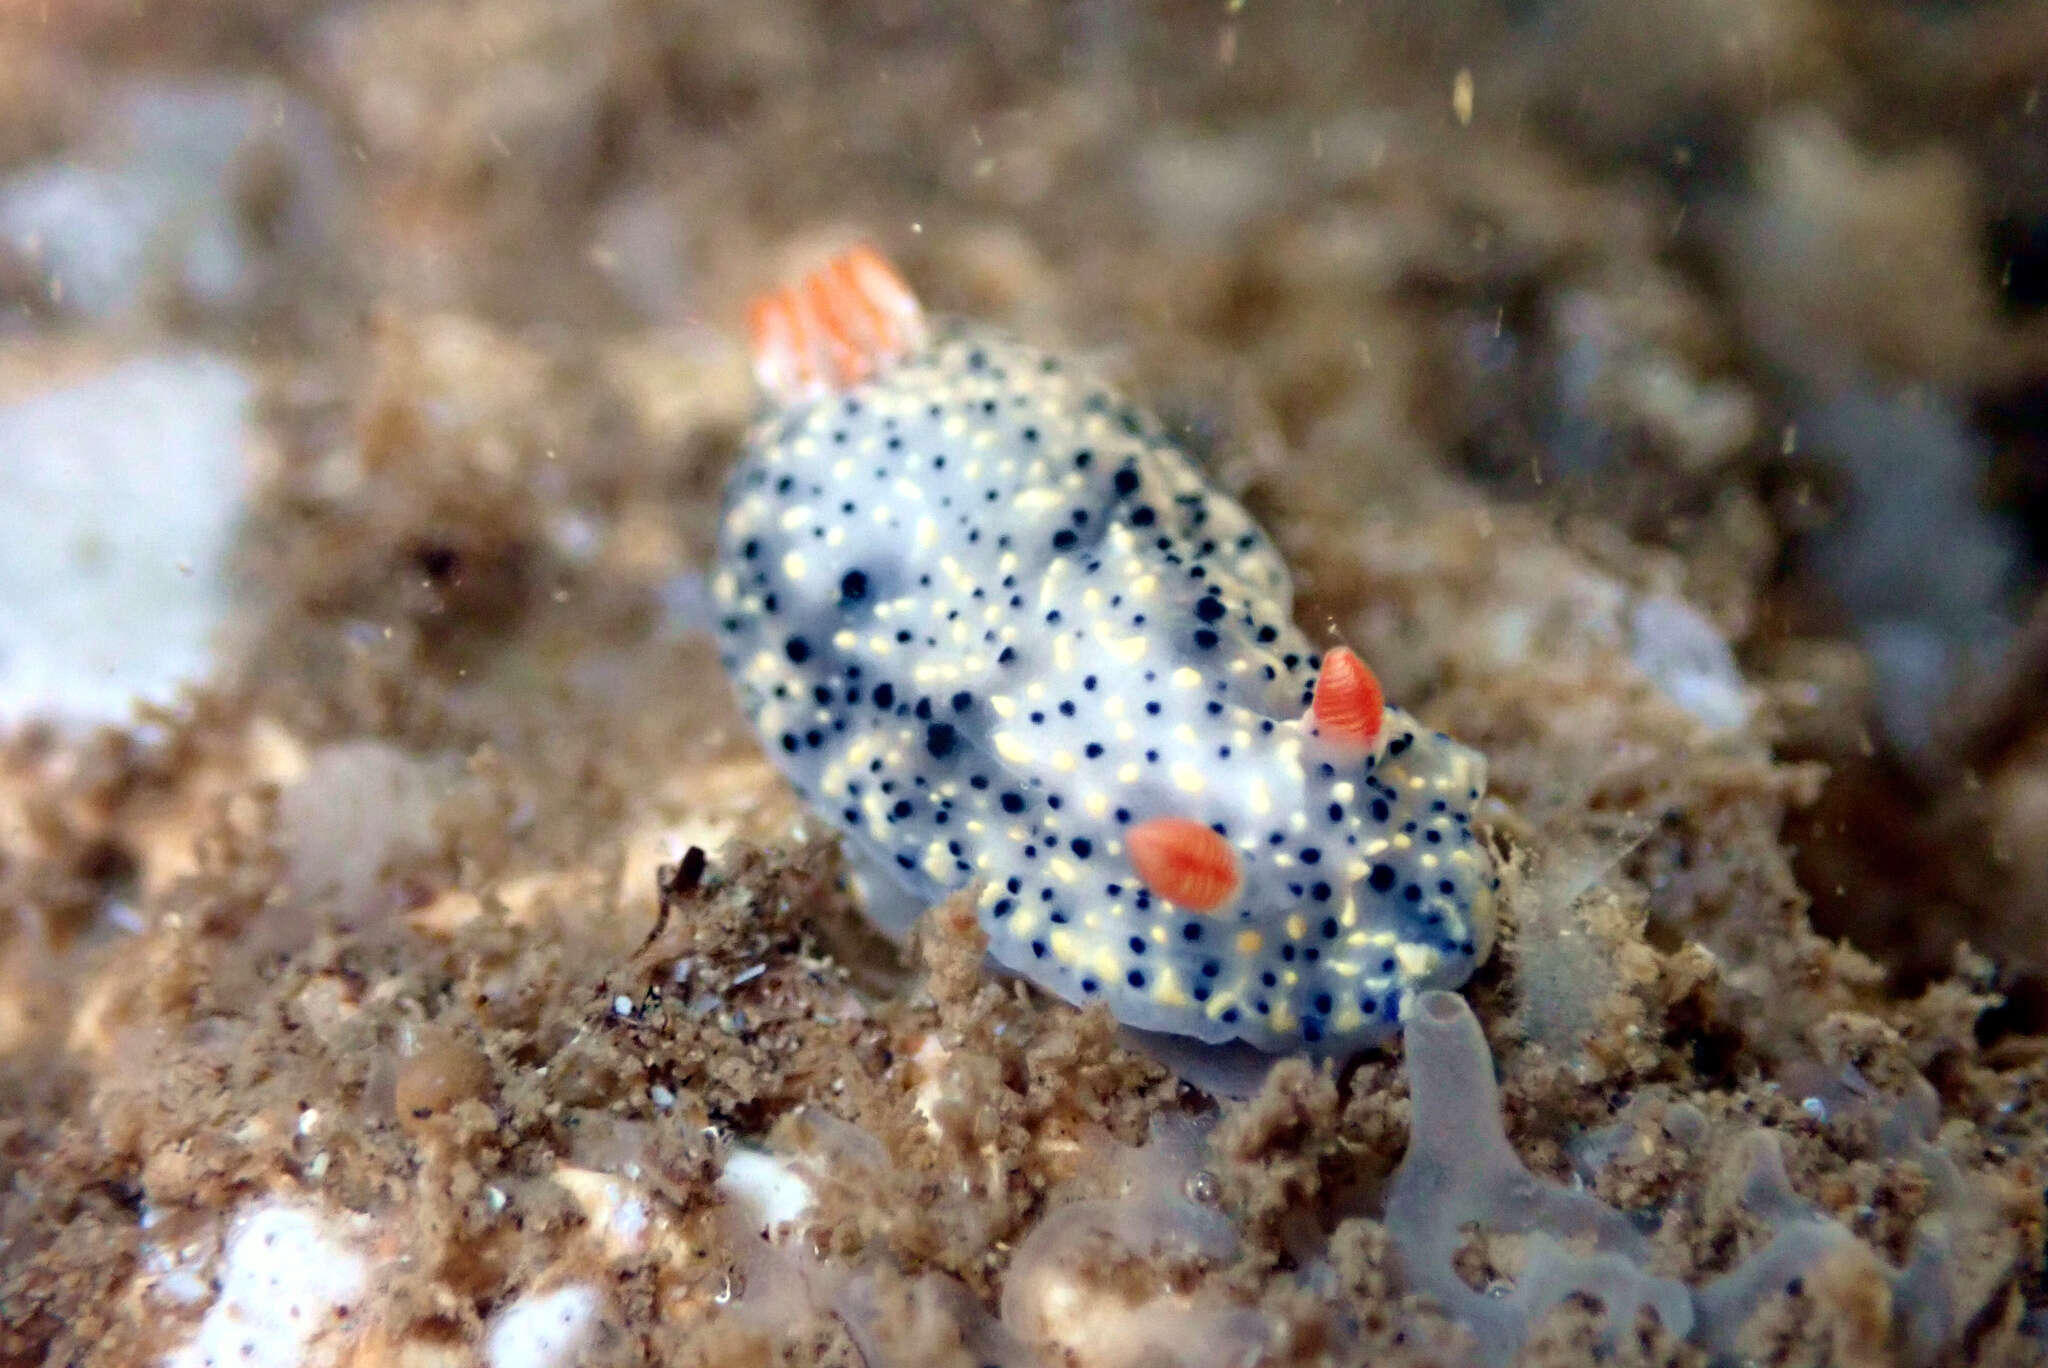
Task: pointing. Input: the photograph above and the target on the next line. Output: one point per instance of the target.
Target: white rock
(155, 192)
(118, 499)
(290, 1280)
(768, 1185)
(1686, 657)
(615, 1207)
(543, 1329)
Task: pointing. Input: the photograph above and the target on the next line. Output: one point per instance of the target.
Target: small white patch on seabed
(118, 500)
(1684, 655)
(776, 1193)
(543, 1329)
(290, 1281)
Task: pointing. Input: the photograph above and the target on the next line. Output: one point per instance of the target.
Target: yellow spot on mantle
(1166, 989)
(1417, 961)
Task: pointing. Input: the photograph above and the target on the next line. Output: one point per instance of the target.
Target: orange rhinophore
(835, 328)
(1184, 862)
(1349, 706)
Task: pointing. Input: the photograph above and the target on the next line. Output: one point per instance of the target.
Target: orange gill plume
(834, 328)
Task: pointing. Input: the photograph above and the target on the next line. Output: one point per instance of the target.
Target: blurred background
(335, 330)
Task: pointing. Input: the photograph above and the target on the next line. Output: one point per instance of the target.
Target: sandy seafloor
(1656, 393)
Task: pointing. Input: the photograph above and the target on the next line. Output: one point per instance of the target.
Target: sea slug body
(990, 621)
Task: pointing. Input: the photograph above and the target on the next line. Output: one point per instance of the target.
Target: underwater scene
(1008, 684)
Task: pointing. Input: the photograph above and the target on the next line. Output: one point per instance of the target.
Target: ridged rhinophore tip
(1349, 707)
(1184, 862)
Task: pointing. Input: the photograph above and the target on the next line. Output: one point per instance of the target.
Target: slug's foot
(891, 903)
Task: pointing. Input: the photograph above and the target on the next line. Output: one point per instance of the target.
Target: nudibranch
(991, 622)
